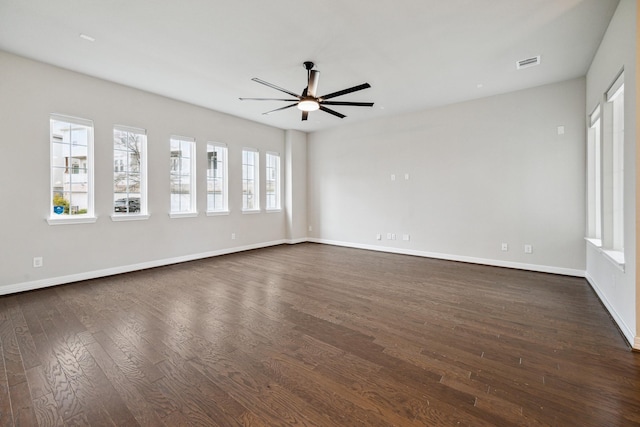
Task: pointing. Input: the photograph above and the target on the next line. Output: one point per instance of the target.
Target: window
(594, 183)
(71, 170)
(129, 174)
(250, 181)
(183, 171)
(615, 98)
(217, 178)
(272, 169)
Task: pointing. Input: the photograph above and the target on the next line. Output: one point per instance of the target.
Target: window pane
(216, 178)
(128, 177)
(182, 175)
(272, 173)
(71, 189)
(250, 183)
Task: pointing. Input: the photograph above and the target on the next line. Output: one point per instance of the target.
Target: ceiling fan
(308, 101)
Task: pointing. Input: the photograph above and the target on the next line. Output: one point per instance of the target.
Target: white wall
(296, 184)
(29, 92)
(617, 288)
(480, 173)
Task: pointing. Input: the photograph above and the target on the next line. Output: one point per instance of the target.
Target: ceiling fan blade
(281, 108)
(305, 115)
(345, 91)
(314, 77)
(257, 80)
(267, 99)
(335, 113)
(354, 104)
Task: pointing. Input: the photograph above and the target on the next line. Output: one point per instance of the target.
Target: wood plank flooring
(316, 335)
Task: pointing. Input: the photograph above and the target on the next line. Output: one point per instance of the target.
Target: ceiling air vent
(529, 62)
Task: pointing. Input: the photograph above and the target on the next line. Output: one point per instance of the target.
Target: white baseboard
(296, 241)
(473, 260)
(53, 281)
(633, 341)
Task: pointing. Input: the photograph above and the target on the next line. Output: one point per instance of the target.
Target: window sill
(614, 257)
(595, 242)
(128, 217)
(252, 211)
(274, 210)
(183, 214)
(72, 220)
(217, 213)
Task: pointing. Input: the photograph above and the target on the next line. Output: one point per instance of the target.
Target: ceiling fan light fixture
(308, 104)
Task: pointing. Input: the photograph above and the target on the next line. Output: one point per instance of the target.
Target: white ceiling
(415, 54)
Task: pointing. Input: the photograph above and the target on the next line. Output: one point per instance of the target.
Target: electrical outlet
(405, 237)
(406, 176)
(378, 236)
(310, 228)
(233, 236)
(393, 236)
(393, 177)
(37, 262)
(505, 247)
(389, 236)
(528, 249)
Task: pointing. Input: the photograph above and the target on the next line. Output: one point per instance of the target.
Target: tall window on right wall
(613, 171)
(594, 179)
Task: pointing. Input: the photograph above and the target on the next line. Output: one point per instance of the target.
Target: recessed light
(87, 37)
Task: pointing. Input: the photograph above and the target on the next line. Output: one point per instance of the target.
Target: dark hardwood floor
(316, 335)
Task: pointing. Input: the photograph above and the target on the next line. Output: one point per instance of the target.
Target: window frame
(192, 208)
(612, 144)
(224, 209)
(272, 155)
(594, 177)
(256, 180)
(89, 216)
(615, 98)
(143, 214)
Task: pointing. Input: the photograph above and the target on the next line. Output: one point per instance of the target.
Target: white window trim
(612, 96)
(225, 177)
(90, 216)
(278, 181)
(594, 176)
(129, 217)
(183, 214)
(256, 178)
(66, 221)
(144, 212)
(615, 87)
(193, 212)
